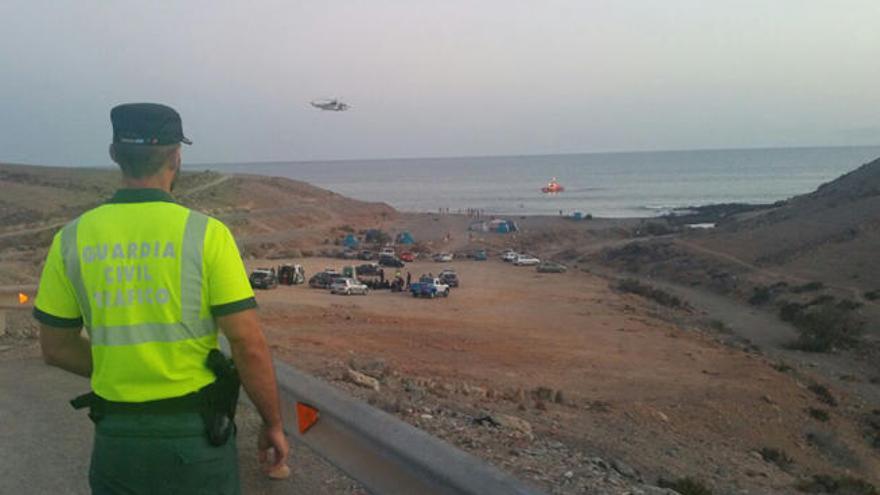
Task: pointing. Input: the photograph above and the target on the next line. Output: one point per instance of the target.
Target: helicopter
(331, 104)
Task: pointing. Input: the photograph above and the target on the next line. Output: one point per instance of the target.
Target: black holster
(216, 402)
(221, 400)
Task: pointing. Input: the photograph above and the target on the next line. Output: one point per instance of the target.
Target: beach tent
(350, 241)
(405, 238)
(577, 215)
(503, 226)
(479, 227)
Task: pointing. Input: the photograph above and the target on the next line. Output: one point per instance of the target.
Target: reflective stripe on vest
(190, 325)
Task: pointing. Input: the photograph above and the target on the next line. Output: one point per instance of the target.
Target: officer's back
(152, 281)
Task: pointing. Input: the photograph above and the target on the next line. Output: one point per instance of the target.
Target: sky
(429, 78)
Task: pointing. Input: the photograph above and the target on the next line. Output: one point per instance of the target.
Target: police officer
(152, 282)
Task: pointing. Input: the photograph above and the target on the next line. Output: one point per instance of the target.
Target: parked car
(449, 277)
(349, 254)
(263, 278)
(366, 255)
(429, 287)
(407, 256)
(551, 267)
(509, 256)
(526, 260)
(443, 257)
(388, 251)
(291, 274)
(480, 255)
(323, 280)
(391, 261)
(348, 286)
(368, 269)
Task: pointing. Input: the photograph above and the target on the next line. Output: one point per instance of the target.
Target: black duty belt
(190, 403)
(215, 402)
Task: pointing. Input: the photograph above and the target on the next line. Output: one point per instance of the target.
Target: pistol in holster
(221, 398)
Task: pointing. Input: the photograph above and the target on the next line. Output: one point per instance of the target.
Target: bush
(823, 299)
(790, 311)
(782, 367)
(843, 485)
(807, 287)
(823, 394)
(776, 456)
(761, 295)
(819, 414)
(849, 305)
(633, 286)
(823, 328)
(872, 295)
(685, 486)
(719, 326)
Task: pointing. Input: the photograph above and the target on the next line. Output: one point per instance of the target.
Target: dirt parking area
(594, 371)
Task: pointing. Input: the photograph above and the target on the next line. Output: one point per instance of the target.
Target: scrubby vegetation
(761, 295)
(839, 485)
(823, 394)
(633, 286)
(776, 456)
(824, 326)
(782, 367)
(807, 287)
(685, 486)
(819, 414)
(872, 428)
(764, 294)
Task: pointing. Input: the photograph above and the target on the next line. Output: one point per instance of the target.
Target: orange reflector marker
(306, 416)
(22, 298)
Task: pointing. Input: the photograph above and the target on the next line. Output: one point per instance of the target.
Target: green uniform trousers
(160, 454)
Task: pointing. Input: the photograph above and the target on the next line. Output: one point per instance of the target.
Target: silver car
(348, 286)
(526, 260)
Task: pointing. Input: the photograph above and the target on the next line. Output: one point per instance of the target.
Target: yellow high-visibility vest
(146, 277)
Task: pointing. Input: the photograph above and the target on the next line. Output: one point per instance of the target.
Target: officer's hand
(272, 440)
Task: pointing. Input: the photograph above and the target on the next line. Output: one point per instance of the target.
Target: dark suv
(391, 261)
(323, 280)
(263, 278)
(449, 278)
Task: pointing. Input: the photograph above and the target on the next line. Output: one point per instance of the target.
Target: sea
(630, 184)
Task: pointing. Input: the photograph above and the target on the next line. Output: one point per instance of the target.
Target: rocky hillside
(830, 235)
(812, 254)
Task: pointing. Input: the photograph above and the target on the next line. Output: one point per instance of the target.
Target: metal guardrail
(385, 454)
(11, 296)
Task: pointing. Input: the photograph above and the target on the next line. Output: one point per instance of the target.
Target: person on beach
(152, 282)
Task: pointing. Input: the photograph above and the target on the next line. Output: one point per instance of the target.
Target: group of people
(396, 284)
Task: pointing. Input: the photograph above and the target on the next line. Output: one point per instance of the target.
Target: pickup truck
(429, 287)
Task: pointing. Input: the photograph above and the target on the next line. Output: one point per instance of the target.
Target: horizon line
(529, 155)
(479, 156)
